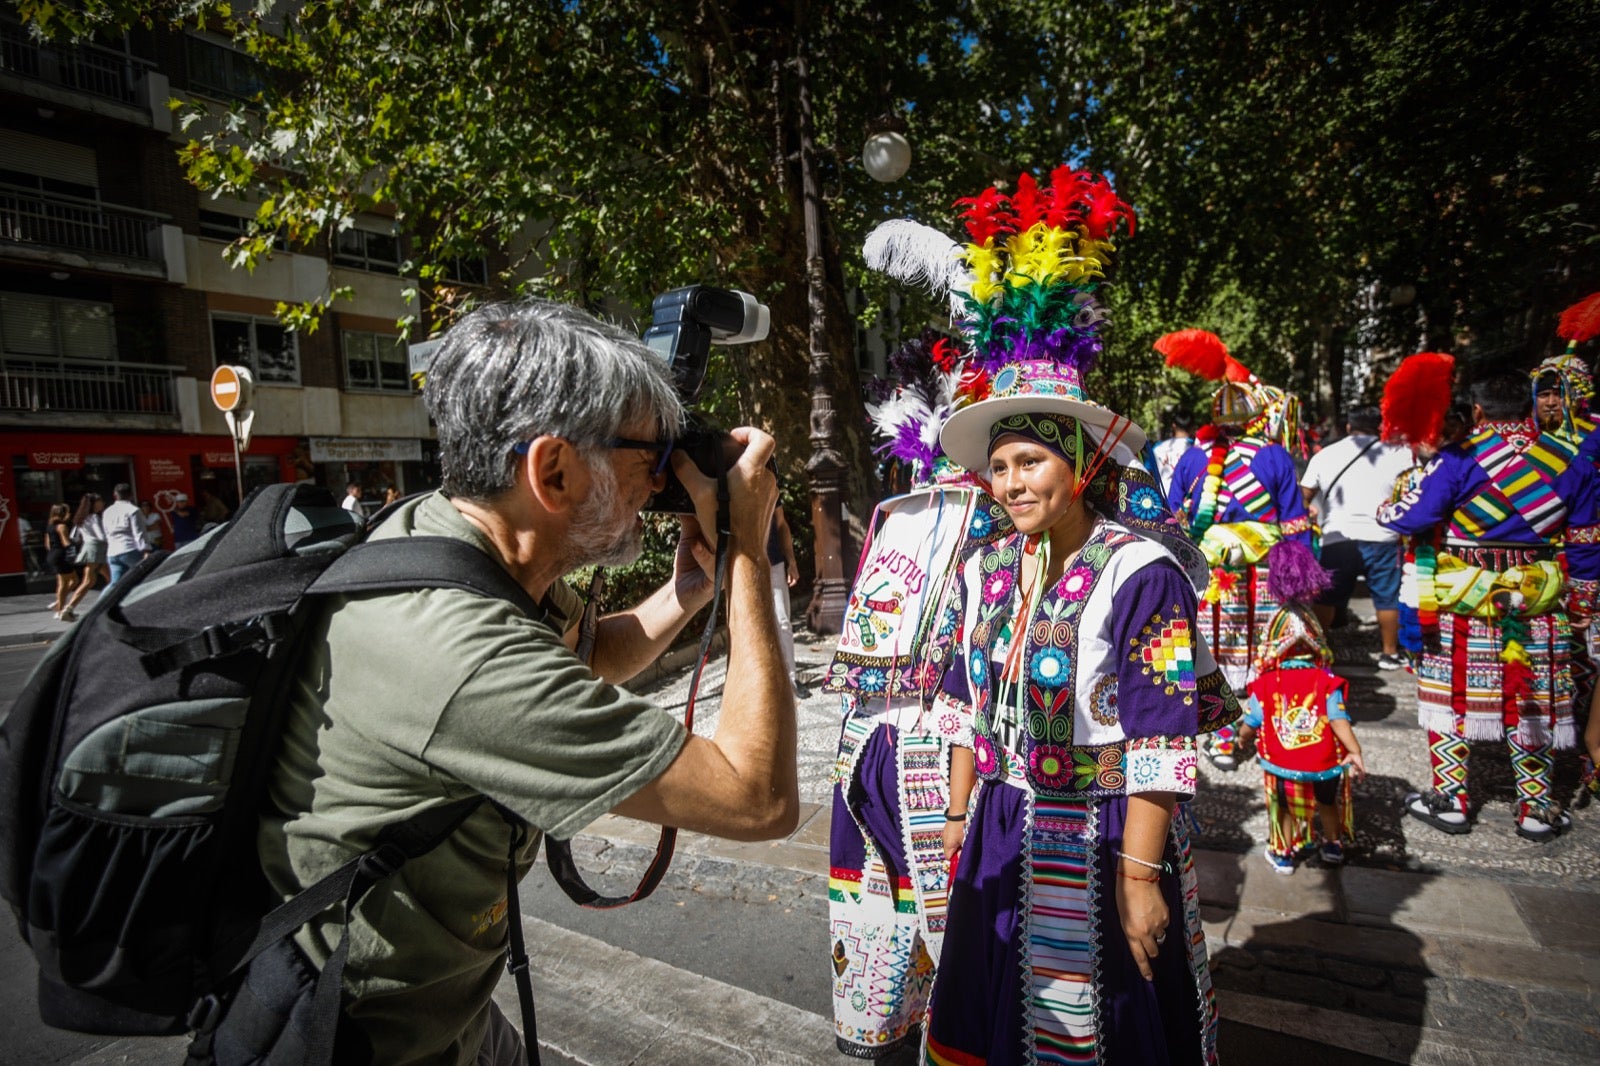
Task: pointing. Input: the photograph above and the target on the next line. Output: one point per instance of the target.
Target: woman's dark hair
(1503, 396)
(85, 507)
(1180, 419)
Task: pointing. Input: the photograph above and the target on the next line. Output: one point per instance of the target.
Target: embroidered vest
(1295, 733)
(1521, 482)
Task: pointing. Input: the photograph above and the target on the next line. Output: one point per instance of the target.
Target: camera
(684, 324)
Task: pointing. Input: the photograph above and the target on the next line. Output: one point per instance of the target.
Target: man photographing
(554, 432)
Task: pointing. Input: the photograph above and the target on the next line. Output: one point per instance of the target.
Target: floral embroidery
(1098, 769)
(1144, 502)
(983, 755)
(1050, 667)
(1218, 705)
(1187, 770)
(997, 586)
(1050, 766)
(1103, 700)
(1144, 771)
(1075, 583)
(872, 680)
(1166, 654)
(982, 524)
(977, 668)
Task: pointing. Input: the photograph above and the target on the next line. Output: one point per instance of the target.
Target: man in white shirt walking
(125, 540)
(352, 500)
(1343, 485)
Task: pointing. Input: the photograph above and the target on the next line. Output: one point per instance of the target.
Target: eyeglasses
(663, 446)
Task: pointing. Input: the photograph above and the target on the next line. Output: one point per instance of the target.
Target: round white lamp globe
(887, 156)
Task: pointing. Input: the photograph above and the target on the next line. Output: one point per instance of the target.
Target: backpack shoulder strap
(401, 563)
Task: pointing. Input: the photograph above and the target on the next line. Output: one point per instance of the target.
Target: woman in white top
(90, 533)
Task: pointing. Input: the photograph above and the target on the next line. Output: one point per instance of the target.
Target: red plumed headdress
(1580, 321)
(1417, 397)
(1198, 351)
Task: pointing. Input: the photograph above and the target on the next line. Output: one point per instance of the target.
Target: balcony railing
(88, 68)
(66, 385)
(55, 220)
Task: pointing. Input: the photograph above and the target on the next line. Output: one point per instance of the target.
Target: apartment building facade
(116, 304)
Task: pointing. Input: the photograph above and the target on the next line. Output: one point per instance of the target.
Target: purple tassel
(1293, 573)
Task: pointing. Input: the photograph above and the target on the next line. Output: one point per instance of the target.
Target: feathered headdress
(1581, 321)
(912, 403)
(1416, 399)
(1023, 287)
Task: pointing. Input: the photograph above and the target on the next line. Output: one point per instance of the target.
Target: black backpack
(134, 764)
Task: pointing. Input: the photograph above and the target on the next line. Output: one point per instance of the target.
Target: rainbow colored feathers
(1037, 257)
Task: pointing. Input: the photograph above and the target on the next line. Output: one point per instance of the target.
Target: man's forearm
(628, 641)
(756, 730)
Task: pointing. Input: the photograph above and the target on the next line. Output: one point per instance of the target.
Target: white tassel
(916, 254)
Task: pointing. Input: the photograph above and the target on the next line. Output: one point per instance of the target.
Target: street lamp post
(825, 468)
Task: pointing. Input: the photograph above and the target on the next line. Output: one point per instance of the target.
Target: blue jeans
(121, 564)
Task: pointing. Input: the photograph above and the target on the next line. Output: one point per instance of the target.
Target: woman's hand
(1143, 911)
(954, 834)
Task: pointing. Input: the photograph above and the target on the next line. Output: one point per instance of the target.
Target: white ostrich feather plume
(917, 255)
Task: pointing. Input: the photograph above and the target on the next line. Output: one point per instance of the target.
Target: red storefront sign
(10, 527)
(55, 460)
(162, 466)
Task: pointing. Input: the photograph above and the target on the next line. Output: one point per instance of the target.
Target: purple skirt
(1013, 922)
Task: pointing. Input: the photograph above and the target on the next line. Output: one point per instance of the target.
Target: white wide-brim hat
(1035, 387)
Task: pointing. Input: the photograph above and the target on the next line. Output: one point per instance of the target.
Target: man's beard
(604, 532)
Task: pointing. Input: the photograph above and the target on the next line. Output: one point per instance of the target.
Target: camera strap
(558, 853)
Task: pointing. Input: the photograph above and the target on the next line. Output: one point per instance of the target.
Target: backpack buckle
(205, 1014)
(381, 862)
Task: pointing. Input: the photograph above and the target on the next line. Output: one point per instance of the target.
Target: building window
(262, 344)
(225, 227)
(50, 327)
(367, 249)
(218, 70)
(467, 270)
(375, 361)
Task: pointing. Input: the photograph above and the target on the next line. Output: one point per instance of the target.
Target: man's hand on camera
(752, 492)
(694, 569)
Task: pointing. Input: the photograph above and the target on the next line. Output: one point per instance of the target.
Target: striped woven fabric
(1060, 955)
(1461, 688)
(1519, 483)
(1242, 485)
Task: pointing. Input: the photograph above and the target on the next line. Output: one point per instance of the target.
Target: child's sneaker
(1332, 853)
(1280, 863)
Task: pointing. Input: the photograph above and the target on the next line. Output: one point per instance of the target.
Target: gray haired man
(553, 431)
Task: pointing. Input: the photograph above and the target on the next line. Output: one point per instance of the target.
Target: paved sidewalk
(27, 619)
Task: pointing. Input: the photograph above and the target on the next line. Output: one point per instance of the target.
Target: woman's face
(1031, 482)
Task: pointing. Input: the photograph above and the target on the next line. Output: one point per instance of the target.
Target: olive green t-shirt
(413, 700)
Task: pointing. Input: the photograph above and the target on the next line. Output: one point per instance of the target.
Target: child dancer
(1306, 742)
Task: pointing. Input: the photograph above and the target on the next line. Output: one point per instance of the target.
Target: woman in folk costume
(1240, 494)
(887, 870)
(1498, 665)
(1418, 412)
(1073, 927)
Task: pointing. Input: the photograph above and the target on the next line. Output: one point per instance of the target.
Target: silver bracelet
(1159, 867)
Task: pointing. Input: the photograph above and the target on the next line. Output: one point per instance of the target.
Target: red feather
(1580, 321)
(1196, 350)
(1027, 203)
(1237, 371)
(1416, 398)
(987, 215)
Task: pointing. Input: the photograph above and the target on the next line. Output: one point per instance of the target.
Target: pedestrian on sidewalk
(1497, 665)
(185, 521)
(58, 557)
(1344, 485)
(124, 526)
(155, 533)
(1305, 742)
(89, 533)
(554, 430)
